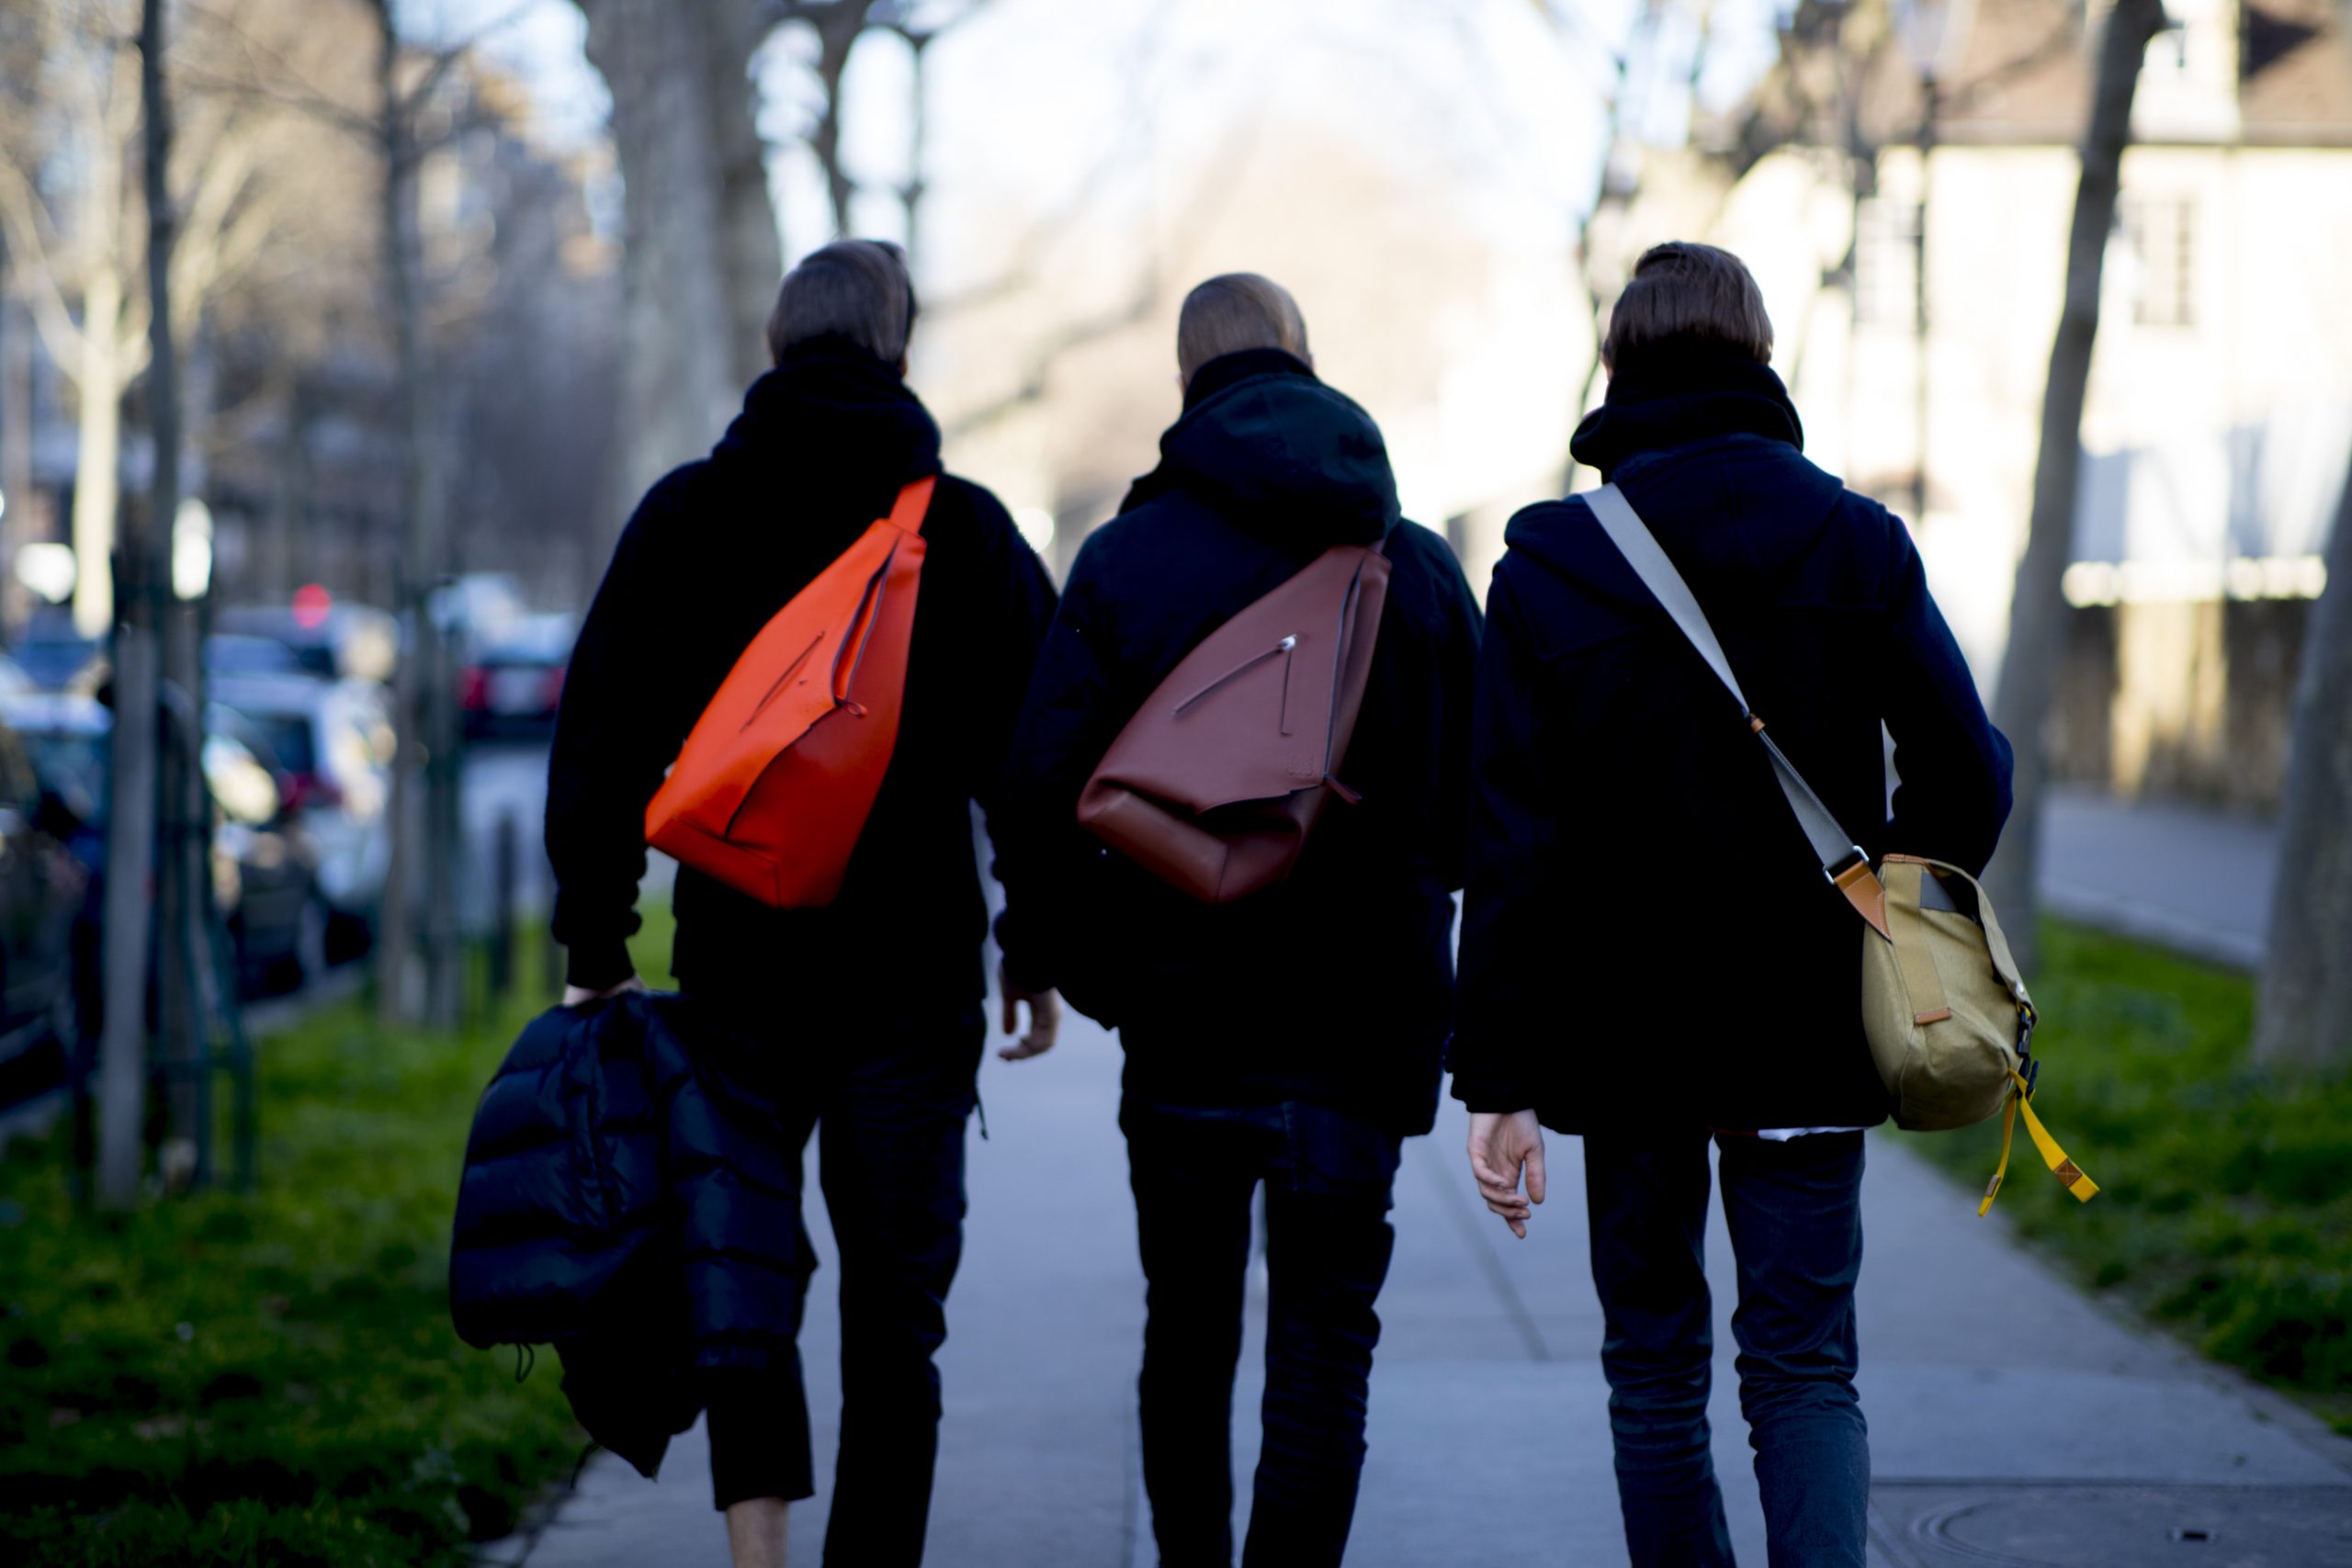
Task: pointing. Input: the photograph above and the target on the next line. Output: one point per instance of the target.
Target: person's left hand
(1502, 1144)
(1044, 1019)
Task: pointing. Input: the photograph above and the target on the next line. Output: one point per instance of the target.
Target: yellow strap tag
(2070, 1175)
(2001, 1171)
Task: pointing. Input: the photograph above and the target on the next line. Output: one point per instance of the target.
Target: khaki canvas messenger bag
(1949, 1021)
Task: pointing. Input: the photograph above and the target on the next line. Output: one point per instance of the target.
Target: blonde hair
(1233, 312)
(857, 290)
(1683, 290)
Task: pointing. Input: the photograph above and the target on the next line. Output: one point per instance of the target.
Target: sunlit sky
(1462, 140)
(1034, 91)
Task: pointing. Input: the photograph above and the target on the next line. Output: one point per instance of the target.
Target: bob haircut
(1688, 291)
(1233, 312)
(857, 290)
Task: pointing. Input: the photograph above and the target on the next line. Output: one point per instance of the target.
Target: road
(2188, 878)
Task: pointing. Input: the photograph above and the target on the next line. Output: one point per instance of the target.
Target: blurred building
(2219, 423)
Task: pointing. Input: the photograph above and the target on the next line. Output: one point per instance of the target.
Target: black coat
(1337, 986)
(1646, 938)
(823, 447)
(625, 1199)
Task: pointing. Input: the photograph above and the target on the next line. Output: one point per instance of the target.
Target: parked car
(332, 641)
(264, 865)
(230, 653)
(44, 971)
(513, 684)
(57, 658)
(333, 744)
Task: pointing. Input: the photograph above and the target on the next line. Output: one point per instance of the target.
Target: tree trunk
(2037, 609)
(750, 248)
(132, 775)
(680, 316)
(97, 463)
(2303, 1014)
(179, 882)
(16, 451)
(423, 851)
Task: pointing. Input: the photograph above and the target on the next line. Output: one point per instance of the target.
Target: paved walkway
(1990, 1385)
(2012, 1420)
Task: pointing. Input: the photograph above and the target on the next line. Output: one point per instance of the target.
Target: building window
(2160, 241)
(1886, 260)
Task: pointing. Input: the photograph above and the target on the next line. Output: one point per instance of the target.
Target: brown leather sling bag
(1216, 782)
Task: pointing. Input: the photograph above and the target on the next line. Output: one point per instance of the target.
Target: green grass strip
(271, 1378)
(2226, 1210)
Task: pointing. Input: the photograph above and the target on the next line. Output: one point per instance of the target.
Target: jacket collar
(1681, 392)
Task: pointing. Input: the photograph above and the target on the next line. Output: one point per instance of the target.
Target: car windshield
(74, 765)
(286, 737)
(52, 663)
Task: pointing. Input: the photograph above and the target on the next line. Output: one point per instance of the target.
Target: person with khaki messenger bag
(1670, 939)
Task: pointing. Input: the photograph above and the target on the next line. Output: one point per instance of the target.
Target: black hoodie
(1646, 940)
(823, 445)
(1337, 986)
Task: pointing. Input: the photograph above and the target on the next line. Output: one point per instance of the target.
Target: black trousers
(1328, 1178)
(1794, 1212)
(889, 1108)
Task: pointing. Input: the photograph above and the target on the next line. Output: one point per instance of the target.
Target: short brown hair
(1691, 291)
(1233, 312)
(857, 290)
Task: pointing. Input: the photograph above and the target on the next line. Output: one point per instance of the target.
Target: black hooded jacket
(823, 445)
(1646, 938)
(1337, 986)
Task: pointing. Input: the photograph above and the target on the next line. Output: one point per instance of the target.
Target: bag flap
(1264, 705)
(781, 684)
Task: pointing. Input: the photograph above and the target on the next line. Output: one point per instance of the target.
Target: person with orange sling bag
(802, 670)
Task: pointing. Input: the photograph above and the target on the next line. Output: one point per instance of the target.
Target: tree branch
(25, 217)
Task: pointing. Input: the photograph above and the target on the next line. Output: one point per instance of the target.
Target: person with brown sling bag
(1235, 801)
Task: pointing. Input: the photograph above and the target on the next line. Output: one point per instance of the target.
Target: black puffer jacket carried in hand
(1647, 939)
(624, 1200)
(1335, 988)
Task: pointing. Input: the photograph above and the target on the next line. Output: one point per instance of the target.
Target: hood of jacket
(833, 429)
(1708, 450)
(1276, 452)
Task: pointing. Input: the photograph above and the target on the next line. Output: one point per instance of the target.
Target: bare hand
(580, 995)
(1502, 1145)
(1044, 1019)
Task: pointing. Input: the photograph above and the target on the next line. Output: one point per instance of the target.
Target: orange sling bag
(776, 779)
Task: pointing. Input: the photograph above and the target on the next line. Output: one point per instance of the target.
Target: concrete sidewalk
(2012, 1421)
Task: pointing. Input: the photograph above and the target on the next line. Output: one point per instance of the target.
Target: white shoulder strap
(1842, 860)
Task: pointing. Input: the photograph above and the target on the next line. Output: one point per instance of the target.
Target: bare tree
(2036, 613)
(2304, 1012)
(79, 247)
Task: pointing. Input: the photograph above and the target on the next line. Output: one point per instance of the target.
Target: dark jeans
(1794, 1214)
(1328, 1178)
(889, 1108)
